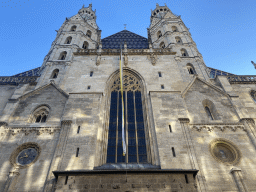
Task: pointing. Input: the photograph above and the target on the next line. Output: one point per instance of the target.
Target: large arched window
(210, 110)
(136, 148)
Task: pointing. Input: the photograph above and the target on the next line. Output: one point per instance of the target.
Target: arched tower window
(162, 45)
(40, 115)
(184, 53)
(174, 29)
(134, 122)
(63, 55)
(68, 40)
(55, 74)
(85, 45)
(159, 34)
(89, 33)
(191, 69)
(178, 40)
(253, 95)
(209, 113)
(73, 28)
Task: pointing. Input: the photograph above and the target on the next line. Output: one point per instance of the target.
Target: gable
(49, 96)
(133, 41)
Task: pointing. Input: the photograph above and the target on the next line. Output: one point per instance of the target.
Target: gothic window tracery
(40, 115)
(134, 126)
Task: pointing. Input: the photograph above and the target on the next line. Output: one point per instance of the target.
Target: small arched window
(68, 40)
(191, 69)
(40, 115)
(184, 53)
(178, 40)
(253, 95)
(85, 45)
(162, 45)
(210, 109)
(63, 55)
(89, 33)
(55, 74)
(73, 28)
(174, 29)
(209, 113)
(159, 34)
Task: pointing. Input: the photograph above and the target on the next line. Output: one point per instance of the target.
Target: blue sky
(224, 30)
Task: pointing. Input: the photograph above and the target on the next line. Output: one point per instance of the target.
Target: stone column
(237, 175)
(249, 129)
(201, 186)
(58, 155)
(13, 174)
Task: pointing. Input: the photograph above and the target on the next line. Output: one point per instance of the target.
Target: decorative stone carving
(220, 127)
(30, 130)
(225, 151)
(16, 152)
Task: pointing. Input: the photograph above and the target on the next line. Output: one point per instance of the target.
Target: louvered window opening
(136, 149)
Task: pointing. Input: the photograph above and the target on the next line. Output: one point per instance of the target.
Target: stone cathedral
(188, 127)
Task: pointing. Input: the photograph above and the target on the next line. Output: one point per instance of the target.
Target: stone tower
(187, 127)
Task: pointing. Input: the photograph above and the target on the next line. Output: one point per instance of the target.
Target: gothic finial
(157, 5)
(254, 64)
(90, 5)
(165, 5)
(83, 6)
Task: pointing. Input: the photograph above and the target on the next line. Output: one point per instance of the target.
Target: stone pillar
(58, 155)
(201, 186)
(249, 129)
(237, 175)
(13, 174)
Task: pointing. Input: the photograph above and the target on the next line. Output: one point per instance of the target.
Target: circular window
(25, 155)
(224, 151)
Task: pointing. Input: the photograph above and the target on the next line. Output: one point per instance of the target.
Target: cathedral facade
(187, 127)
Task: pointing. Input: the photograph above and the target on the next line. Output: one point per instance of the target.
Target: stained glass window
(136, 149)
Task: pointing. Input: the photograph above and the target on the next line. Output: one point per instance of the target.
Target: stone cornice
(218, 126)
(166, 51)
(27, 130)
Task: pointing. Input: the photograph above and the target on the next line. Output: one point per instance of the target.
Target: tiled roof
(133, 41)
(213, 72)
(32, 72)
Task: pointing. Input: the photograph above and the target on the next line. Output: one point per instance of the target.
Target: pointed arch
(174, 29)
(140, 143)
(85, 45)
(89, 33)
(68, 40)
(73, 28)
(178, 40)
(159, 34)
(184, 52)
(162, 45)
(210, 109)
(54, 74)
(63, 55)
(191, 69)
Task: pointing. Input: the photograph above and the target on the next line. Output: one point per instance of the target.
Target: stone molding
(184, 120)
(219, 127)
(248, 120)
(27, 130)
(159, 51)
(3, 124)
